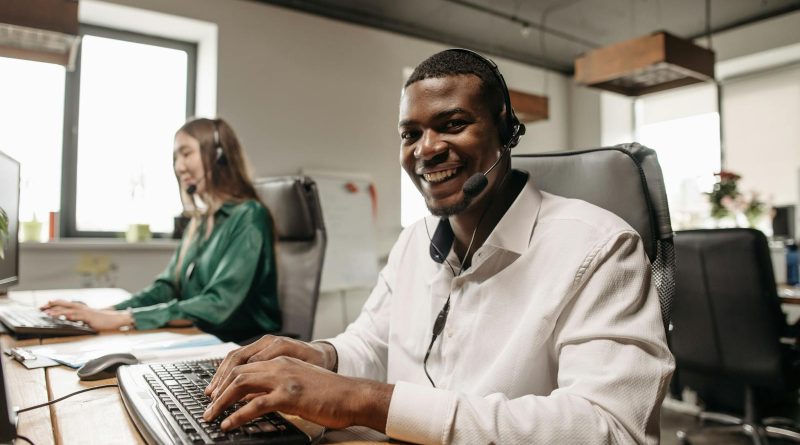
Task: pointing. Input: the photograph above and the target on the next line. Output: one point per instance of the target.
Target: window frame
(69, 156)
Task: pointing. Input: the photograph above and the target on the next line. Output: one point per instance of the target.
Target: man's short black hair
(452, 63)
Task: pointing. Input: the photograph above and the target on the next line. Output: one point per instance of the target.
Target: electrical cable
(24, 438)
(441, 319)
(42, 405)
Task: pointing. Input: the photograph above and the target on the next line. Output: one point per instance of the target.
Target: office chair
(727, 327)
(300, 249)
(626, 180)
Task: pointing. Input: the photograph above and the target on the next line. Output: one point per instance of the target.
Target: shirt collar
(226, 208)
(512, 233)
(515, 229)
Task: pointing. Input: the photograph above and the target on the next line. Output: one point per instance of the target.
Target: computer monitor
(8, 417)
(9, 212)
(783, 223)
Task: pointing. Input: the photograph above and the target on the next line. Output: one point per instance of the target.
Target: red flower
(726, 175)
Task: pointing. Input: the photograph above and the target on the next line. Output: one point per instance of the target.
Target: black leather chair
(626, 180)
(300, 248)
(727, 326)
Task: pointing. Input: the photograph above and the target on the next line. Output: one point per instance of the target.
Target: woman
(223, 277)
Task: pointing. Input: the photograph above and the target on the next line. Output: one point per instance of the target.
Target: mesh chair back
(300, 248)
(626, 180)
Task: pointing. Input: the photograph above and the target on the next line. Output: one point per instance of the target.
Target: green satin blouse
(228, 281)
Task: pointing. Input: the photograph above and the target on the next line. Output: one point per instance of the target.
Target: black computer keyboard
(180, 388)
(30, 322)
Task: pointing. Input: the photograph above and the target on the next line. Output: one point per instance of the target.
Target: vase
(31, 231)
(138, 233)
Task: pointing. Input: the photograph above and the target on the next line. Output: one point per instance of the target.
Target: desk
(96, 417)
(789, 294)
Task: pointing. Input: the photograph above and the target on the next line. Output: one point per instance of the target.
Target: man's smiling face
(447, 134)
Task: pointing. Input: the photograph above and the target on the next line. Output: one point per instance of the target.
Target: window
(126, 99)
(683, 128)
(31, 125)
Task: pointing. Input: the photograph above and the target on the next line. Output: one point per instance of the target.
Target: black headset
(513, 128)
(220, 151)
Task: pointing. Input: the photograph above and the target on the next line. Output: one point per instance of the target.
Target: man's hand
(295, 387)
(269, 347)
(99, 319)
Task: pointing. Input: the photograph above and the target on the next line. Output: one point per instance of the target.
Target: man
(548, 324)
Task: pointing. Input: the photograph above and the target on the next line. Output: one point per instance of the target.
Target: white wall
(757, 37)
(73, 265)
(585, 122)
(762, 133)
(599, 118)
(309, 92)
(301, 92)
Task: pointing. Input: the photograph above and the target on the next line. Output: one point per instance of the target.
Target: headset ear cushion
(221, 156)
(519, 130)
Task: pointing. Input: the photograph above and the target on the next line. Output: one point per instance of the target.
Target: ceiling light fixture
(40, 30)
(645, 65)
(657, 62)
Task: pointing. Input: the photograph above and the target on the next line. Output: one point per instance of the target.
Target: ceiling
(544, 33)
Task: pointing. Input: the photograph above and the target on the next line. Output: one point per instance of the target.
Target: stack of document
(148, 348)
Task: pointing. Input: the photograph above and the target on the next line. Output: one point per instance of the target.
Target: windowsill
(101, 244)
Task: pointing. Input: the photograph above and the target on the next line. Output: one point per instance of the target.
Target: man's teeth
(439, 176)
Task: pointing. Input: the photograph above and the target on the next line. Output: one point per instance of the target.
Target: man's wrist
(330, 357)
(372, 404)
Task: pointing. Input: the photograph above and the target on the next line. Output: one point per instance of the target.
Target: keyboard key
(266, 427)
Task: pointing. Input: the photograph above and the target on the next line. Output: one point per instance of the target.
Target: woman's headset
(220, 152)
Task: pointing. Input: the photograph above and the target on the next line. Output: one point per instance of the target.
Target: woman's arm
(229, 284)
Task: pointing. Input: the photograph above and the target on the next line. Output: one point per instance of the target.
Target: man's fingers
(245, 380)
(252, 396)
(278, 347)
(228, 381)
(235, 358)
(232, 359)
(257, 407)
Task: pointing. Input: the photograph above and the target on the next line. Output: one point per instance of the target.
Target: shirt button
(449, 333)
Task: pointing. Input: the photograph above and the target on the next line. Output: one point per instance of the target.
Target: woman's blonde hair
(226, 172)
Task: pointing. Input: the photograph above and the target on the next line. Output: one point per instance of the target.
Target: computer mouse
(105, 367)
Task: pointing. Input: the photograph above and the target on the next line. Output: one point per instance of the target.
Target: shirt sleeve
(162, 290)
(225, 291)
(612, 372)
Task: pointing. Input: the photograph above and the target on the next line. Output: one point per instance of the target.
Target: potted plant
(727, 202)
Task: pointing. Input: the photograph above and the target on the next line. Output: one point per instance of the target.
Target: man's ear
(502, 129)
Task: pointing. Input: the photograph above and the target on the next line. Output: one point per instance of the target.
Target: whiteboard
(351, 258)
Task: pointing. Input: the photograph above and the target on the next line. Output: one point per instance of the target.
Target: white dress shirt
(554, 334)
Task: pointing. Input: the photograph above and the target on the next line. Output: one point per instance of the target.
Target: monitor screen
(9, 221)
(783, 222)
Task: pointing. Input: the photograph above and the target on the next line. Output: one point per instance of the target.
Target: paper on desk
(184, 354)
(75, 353)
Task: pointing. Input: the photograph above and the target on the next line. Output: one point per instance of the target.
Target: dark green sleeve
(162, 290)
(227, 288)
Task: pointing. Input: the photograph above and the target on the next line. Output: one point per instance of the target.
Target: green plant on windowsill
(3, 232)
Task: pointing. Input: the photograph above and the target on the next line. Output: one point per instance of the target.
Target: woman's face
(188, 162)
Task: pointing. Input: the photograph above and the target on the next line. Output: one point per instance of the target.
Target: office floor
(672, 421)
